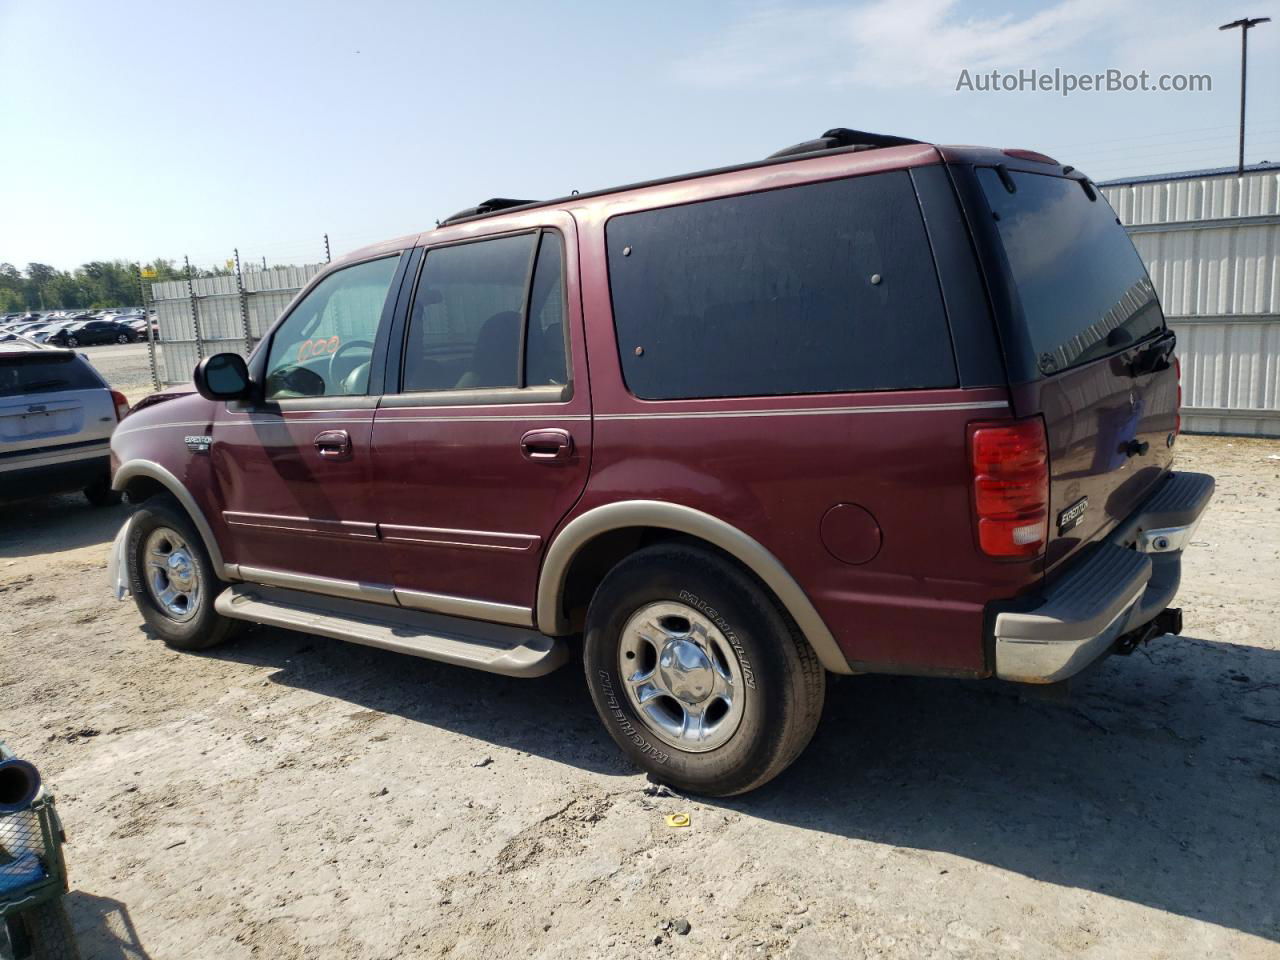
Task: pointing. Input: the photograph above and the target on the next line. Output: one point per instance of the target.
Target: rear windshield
(823, 288)
(26, 375)
(1084, 291)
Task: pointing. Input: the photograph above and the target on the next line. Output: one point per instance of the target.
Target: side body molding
(581, 530)
(133, 469)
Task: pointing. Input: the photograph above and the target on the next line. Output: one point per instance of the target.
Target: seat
(496, 356)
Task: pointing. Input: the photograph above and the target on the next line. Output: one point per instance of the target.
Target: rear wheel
(172, 578)
(697, 674)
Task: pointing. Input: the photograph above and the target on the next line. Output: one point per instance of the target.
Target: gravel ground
(292, 796)
(127, 367)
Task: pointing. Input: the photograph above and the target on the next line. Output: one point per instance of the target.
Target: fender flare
(133, 469)
(672, 516)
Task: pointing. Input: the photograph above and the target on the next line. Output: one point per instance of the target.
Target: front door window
(325, 346)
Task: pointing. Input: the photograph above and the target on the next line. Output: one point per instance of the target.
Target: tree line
(102, 283)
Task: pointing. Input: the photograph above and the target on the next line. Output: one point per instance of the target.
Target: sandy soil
(291, 796)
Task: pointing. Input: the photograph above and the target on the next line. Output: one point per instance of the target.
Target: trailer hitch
(1168, 620)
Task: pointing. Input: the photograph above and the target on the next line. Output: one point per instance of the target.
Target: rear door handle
(546, 445)
(333, 445)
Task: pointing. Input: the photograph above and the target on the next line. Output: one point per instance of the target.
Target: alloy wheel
(682, 676)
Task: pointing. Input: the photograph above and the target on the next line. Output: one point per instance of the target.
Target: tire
(43, 933)
(677, 594)
(100, 494)
(163, 528)
(72, 342)
(124, 338)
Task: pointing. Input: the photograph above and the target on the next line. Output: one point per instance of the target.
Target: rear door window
(824, 288)
(27, 375)
(473, 303)
(1083, 288)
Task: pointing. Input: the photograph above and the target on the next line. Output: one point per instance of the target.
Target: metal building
(1211, 242)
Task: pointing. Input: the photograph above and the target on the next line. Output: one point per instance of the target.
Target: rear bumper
(1117, 587)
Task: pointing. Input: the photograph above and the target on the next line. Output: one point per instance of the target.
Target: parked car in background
(40, 332)
(138, 324)
(869, 405)
(88, 333)
(56, 419)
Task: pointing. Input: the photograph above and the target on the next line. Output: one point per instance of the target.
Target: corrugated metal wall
(217, 325)
(1212, 246)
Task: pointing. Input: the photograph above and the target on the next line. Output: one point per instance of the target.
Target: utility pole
(1245, 24)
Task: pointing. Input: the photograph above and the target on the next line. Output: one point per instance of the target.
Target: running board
(512, 651)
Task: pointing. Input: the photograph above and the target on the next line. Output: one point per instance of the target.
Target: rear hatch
(1087, 348)
(51, 399)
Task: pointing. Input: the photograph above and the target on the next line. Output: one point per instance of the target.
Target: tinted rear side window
(824, 288)
(29, 375)
(1083, 288)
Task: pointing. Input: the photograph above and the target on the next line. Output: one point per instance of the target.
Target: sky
(138, 130)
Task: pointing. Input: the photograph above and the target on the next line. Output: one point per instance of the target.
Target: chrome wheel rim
(172, 574)
(682, 676)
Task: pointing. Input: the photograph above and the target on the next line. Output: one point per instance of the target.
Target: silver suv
(56, 419)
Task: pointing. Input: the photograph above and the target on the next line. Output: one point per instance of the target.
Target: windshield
(1084, 290)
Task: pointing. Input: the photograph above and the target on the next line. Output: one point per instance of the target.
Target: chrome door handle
(333, 445)
(546, 445)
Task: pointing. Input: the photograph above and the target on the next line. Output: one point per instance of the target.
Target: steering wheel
(337, 375)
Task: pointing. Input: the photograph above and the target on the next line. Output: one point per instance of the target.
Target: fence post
(327, 258)
(146, 317)
(244, 307)
(195, 313)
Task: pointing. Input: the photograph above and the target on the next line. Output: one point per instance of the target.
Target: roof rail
(838, 137)
(491, 205)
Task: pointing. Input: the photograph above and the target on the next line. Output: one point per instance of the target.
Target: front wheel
(697, 674)
(172, 578)
(73, 342)
(123, 338)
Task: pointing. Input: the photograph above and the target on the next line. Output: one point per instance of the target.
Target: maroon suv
(869, 405)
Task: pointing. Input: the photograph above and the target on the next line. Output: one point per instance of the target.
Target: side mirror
(224, 376)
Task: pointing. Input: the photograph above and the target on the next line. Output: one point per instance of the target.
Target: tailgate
(1091, 337)
(1110, 439)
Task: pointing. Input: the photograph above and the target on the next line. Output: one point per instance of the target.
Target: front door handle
(333, 445)
(546, 445)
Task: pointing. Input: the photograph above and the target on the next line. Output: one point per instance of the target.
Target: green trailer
(33, 880)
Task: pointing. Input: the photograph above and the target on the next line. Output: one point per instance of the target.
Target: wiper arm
(1154, 357)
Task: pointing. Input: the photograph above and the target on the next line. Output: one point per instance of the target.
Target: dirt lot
(291, 796)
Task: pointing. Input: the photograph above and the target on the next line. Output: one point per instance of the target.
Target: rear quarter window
(27, 374)
(824, 288)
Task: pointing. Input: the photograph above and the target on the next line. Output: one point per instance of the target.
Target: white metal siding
(217, 311)
(1212, 247)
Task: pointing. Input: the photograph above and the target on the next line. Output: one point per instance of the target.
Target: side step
(512, 651)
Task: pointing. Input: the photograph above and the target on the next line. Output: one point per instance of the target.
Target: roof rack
(492, 205)
(842, 137)
(837, 139)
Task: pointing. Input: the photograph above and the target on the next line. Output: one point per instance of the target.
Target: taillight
(1177, 417)
(1010, 464)
(122, 404)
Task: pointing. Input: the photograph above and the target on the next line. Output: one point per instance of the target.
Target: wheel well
(598, 556)
(142, 488)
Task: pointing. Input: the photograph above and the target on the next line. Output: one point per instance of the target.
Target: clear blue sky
(137, 130)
